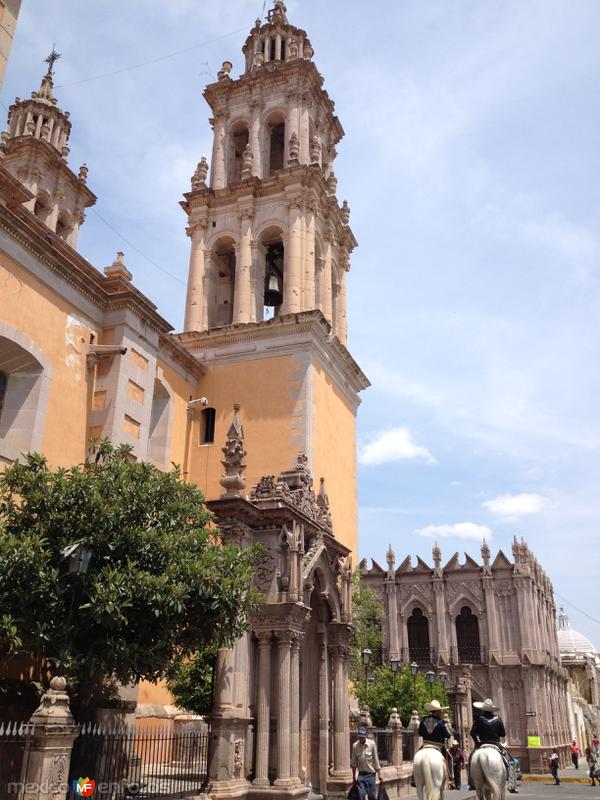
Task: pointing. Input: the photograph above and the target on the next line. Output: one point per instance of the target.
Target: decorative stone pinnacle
(437, 555)
(83, 172)
(225, 71)
(391, 558)
(118, 269)
(233, 462)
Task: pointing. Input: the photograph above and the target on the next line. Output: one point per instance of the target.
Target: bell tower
(270, 248)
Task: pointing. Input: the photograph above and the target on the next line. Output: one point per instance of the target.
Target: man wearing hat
(365, 761)
(434, 730)
(488, 728)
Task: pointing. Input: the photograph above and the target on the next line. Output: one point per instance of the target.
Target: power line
(569, 603)
(151, 61)
(137, 250)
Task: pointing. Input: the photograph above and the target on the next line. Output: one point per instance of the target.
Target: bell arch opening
(42, 207)
(417, 627)
(276, 142)
(222, 282)
(467, 637)
(270, 274)
(239, 139)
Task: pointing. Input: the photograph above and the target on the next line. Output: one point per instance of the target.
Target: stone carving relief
(265, 571)
(238, 757)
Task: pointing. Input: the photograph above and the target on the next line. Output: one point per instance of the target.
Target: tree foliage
(161, 585)
(367, 617)
(190, 681)
(384, 691)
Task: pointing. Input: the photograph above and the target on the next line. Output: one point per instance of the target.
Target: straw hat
(435, 706)
(487, 705)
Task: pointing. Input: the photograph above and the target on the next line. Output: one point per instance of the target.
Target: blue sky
(471, 165)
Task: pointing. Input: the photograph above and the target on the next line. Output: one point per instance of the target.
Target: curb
(544, 779)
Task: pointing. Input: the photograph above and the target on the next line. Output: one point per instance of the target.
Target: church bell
(273, 296)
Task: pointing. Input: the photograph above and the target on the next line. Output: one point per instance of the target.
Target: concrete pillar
(309, 299)
(492, 616)
(278, 47)
(257, 166)
(326, 282)
(284, 645)
(295, 703)
(392, 614)
(195, 319)
(293, 263)
(223, 693)
(440, 618)
(243, 302)
(258, 279)
(263, 708)
(217, 174)
(49, 750)
(341, 752)
(324, 710)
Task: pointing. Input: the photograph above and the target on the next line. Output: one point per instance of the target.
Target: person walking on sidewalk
(365, 761)
(575, 753)
(554, 762)
(458, 762)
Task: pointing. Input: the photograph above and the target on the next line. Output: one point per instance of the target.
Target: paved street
(545, 789)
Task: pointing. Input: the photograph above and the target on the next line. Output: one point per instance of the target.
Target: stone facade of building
(490, 627)
(9, 13)
(582, 661)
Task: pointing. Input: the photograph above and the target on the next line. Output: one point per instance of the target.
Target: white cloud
(394, 444)
(459, 530)
(515, 505)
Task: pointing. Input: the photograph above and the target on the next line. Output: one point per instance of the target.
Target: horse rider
(434, 731)
(488, 728)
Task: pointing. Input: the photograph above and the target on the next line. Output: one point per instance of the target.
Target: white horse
(430, 771)
(488, 773)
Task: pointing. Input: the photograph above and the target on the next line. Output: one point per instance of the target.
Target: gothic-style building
(490, 627)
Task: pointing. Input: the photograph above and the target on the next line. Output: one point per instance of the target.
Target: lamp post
(78, 558)
(414, 668)
(430, 679)
(366, 659)
(394, 666)
(443, 677)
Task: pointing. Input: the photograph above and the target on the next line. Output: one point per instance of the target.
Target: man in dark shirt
(488, 728)
(434, 730)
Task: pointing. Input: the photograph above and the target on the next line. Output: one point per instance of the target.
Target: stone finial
(233, 462)
(437, 556)
(332, 184)
(278, 13)
(345, 212)
(486, 555)
(414, 720)
(259, 59)
(118, 269)
(247, 162)
(308, 51)
(391, 558)
(293, 149)
(292, 50)
(225, 71)
(364, 717)
(65, 150)
(394, 721)
(83, 172)
(315, 150)
(54, 703)
(200, 175)
(323, 505)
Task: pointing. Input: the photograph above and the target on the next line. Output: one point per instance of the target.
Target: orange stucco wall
(266, 390)
(333, 454)
(60, 332)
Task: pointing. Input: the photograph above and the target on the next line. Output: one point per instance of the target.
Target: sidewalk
(568, 775)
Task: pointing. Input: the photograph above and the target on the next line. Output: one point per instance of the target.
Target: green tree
(190, 681)
(367, 616)
(161, 585)
(385, 691)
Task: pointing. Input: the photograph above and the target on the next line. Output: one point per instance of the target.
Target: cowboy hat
(362, 730)
(435, 706)
(487, 705)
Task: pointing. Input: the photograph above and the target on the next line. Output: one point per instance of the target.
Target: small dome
(570, 641)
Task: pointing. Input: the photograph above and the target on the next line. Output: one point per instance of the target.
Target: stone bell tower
(35, 149)
(270, 247)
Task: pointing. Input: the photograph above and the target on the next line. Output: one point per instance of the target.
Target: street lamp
(366, 659)
(78, 558)
(443, 677)
(394, 666)
(414, 668)
(430, 679)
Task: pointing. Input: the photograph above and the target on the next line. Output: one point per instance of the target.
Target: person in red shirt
(575, 753)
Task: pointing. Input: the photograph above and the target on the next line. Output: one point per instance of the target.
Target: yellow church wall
(181, 390)
(333, 454)
(59, 331)
(267, 391)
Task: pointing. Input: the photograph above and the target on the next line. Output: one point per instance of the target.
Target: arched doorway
(467, 637)
(418, 637)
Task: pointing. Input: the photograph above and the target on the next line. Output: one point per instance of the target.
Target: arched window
(239, 139)
(276, 145)
(467, 637)
(270, 273)
(224, 285)
(418, 637)
(207, 433)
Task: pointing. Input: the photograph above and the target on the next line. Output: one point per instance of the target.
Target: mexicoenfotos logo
(84, 787)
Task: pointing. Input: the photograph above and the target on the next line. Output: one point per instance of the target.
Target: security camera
(202, 401)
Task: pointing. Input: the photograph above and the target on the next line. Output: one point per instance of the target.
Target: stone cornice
(289, 333)
(33, 148)
(12, 191)
(178, 353)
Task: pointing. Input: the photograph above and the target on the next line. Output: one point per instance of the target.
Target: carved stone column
(309, 259)
(255, 139)
(293, 267)
(194, 307)
(492, 616)
(258, 278)
(341, 752)
(324, 710)
(263, 708)
(392, 612)
(341, 315)
(284, 645)
(440, 618)
(50, 747)
(223, 690)
(217, 175)
(243, 301)
(295, 703)
(326, 280)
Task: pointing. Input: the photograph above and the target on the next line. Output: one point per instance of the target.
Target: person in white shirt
(365, 762)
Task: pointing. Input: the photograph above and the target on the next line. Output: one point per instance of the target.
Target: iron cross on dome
(54, 56)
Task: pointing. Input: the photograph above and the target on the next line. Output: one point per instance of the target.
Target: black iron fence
(419, 655)
(468, 654)
(14, 755)
(146, 763)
